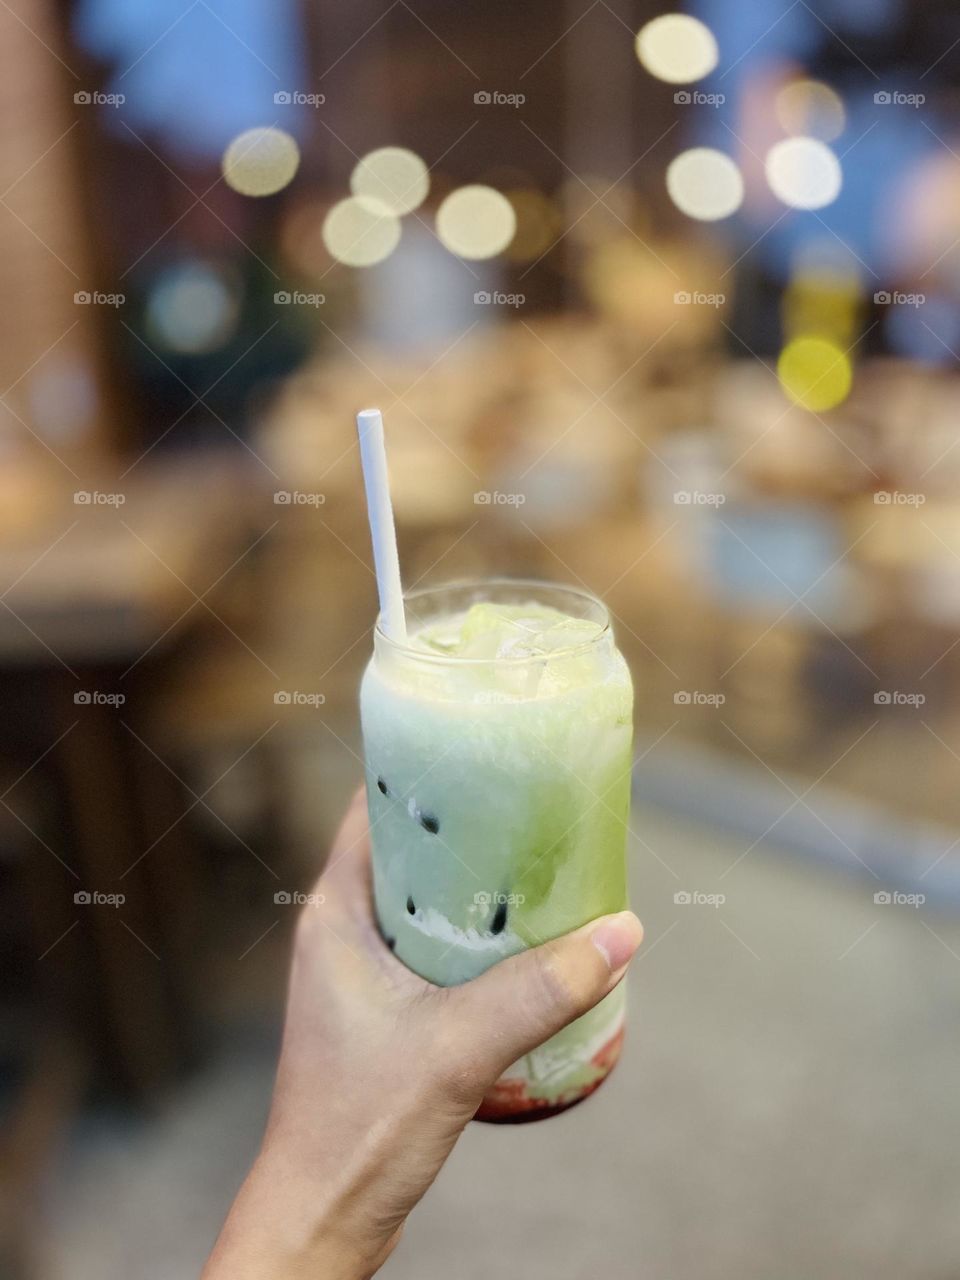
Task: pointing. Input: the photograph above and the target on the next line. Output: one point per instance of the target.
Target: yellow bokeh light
(677, 48)
(815, 373)
(810, 107)
(804, 173)
(705, 184)
(360, 231)
(393, 175)
(476, 222)
(260, 162)
(821, 302)
(538, 224)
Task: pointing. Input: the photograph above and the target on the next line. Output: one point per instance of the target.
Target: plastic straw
(373, 459)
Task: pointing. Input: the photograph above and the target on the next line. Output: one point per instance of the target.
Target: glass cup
(499, 792)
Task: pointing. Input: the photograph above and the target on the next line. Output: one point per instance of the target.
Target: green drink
(498, 738)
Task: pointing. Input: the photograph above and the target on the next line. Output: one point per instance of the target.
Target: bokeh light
(360, 231)
(393, 175)
(824, 296)
(705, 184)
(476, 222)
(260, 162)
(811, 108)
(539, 224)
(815, 373)
(823, 303)
(804, 173)
(677, 48)
(193, 308)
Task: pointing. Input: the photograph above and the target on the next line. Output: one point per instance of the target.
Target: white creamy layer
(436, 926)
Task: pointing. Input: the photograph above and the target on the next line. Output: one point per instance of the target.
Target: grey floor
(788, 1106)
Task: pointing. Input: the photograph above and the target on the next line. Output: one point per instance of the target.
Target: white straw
(373, 458)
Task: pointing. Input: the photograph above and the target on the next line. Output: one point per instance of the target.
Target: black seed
(391, 943)
(430, 823)
(499, 918)
(382, 787)
(410, 907)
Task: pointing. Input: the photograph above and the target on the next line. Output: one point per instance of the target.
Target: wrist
(287, 1223)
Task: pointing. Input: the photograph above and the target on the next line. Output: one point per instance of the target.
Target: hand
(380, 1071)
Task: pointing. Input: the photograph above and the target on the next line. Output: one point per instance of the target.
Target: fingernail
(617, 938)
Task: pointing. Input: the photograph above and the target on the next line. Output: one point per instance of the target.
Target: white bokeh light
(260, 162)
(677, 48)
(393, 175)
(804, 173)
(705, 184)
(360, 231)
(476, 222)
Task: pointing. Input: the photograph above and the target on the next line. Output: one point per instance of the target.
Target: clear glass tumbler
(499, 793)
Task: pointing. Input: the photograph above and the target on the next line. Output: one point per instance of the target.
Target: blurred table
(102, 585)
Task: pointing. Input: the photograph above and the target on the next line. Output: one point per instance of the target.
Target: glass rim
(497, 580)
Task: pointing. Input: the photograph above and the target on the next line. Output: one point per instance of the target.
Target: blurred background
(667, 305)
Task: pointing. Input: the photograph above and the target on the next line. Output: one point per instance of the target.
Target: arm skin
(380, 1072)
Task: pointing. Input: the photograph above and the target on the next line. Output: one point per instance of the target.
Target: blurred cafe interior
(664, 304)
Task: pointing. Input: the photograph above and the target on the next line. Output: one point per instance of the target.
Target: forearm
(330, 1199)
(283, 1227)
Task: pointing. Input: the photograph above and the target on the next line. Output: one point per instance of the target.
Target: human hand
(380, 1071)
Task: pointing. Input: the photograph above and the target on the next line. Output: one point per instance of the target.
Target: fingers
(521, 1002)
(348, 915)
(344, 890)
(348, 863)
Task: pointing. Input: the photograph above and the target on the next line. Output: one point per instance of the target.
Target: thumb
(521, 1002)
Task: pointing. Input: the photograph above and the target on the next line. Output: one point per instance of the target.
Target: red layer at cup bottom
(511, 1102)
